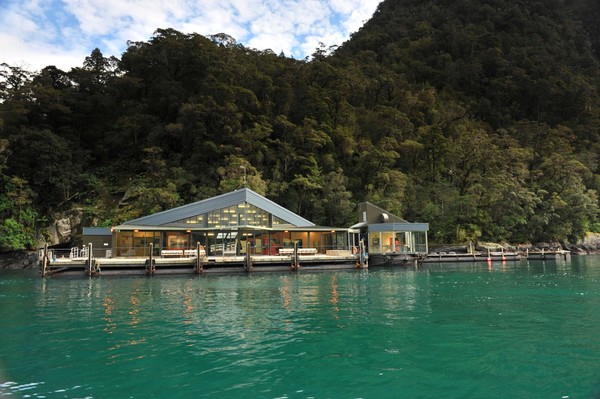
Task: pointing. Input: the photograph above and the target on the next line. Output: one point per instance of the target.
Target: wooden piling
(151, 262)
(248, 260)
(199, 265)
(362, 259)
(89, 262)
(45, 261)
(295, 257)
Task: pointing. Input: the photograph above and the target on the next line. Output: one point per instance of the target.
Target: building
(101, 240)
(228, 224)
(389, 235)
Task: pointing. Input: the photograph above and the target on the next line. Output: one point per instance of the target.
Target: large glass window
(177, 240)
(277, 222)
(420, 241)
(400, 243)
(137, 243)
(375, 243)
(242, 214)
(387, 244)
(198, 220)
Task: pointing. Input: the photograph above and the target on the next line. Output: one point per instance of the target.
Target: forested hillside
(479, 117)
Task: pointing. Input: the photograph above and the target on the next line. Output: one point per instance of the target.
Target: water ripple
(523, 331)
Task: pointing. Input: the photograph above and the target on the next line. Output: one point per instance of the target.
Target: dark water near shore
(519, 330)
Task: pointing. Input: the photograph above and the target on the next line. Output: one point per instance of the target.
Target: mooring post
(295, 258)
(359, 261)
(45, 260)
(248, 259)
(151, 256)
(150, 262)
(199, 264)
(362, 257)
(89, 260)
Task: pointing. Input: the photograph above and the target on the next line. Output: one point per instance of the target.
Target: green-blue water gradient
(516, 330)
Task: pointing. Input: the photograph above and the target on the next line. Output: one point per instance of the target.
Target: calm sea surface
(519, 330)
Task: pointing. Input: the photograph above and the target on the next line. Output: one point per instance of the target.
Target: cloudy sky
(38, 33)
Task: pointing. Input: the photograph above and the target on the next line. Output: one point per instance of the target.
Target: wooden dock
(548, 255)
(408, 259)
(189, 263)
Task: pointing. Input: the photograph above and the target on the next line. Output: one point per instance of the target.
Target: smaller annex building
(101, 240)
(228, 225)
(385, 233)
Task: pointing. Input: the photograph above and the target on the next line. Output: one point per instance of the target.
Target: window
(243, 214)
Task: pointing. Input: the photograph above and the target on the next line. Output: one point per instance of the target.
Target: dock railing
(144, 252)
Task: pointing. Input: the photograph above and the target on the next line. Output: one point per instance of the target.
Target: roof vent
(384, 218)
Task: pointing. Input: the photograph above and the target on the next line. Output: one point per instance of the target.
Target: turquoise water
(526, 330)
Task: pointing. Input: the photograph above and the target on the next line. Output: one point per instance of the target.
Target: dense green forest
(479, 117)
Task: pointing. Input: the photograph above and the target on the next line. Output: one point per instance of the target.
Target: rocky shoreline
(18, 260)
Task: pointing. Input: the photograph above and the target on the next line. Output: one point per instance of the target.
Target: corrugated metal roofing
(221, 201)
(399, 227)
(132, 227)
(97, 231)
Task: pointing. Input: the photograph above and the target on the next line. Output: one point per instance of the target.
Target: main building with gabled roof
(225, 225)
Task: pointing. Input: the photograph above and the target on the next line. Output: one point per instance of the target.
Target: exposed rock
(18, 260)
(67, 227)
(590, 244)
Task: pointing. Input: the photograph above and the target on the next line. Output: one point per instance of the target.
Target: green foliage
(481, 119)
(13, 236)
(141, 199)
(18, 217)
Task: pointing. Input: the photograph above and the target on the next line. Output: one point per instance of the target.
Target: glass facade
(420, 241)
(137, 243)
(243, 214)
(229, 231)
(397, 241)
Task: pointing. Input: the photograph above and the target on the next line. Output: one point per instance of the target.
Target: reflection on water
(452, 330)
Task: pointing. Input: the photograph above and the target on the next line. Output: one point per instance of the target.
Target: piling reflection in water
(334, 293)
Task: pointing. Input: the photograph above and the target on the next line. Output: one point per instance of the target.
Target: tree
(240, 173)
(17, 214)
(45, 161)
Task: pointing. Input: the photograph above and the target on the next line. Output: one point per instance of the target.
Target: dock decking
(204, 264)
(307, 259)
(400, 259)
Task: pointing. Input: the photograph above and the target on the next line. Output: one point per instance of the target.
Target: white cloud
(63, 32)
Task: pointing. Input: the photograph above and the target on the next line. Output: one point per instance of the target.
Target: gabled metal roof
(221, 201)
